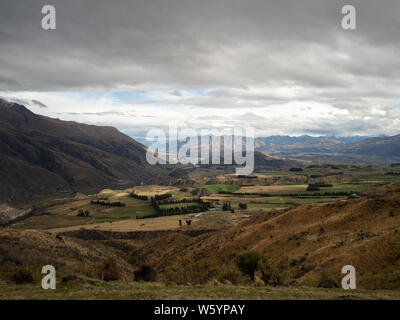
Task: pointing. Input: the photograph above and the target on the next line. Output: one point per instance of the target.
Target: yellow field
(153, 190)
(150, 224)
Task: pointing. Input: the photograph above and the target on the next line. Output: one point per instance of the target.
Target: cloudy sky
(281, 67)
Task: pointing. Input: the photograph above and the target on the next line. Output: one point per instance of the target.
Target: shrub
(226, 206)
(242, 205)
(162, 196)
(22, 274)
(229, 275)
(187, 271)
(270, 272)
(110, 270)
(325, 280)
(321, 185)
(111, 204)
(82, 213)
(145, 272)
(248, 262)
(134, 195)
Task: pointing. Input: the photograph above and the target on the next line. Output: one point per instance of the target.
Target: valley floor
(156, 291)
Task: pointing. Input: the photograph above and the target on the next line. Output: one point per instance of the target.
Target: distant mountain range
(41, 155)
(382, 150)
(281, 140)
(372, 150)
(387, 147)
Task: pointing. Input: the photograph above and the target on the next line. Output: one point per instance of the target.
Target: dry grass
(149, 224)
(153, 190)
(141, 291)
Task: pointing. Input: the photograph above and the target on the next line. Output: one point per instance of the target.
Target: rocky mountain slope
(41, 155)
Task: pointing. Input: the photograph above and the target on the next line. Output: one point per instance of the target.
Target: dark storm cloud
(251, 54)
(196, 43)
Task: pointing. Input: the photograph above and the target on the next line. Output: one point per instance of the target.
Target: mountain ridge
(42, 155)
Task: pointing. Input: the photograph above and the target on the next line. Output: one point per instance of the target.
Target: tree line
(199, 207)
(108, 203)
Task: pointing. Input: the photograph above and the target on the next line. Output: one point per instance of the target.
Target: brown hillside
(313, 242)
(318, 240)
(70, 256)
(41, 155)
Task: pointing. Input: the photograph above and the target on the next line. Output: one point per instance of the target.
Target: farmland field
(379, 177)
(63, 215)
(281, 189)
(288, 189)
(178, 205)
(215, 188)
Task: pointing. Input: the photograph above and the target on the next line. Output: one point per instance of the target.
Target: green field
(379, 177)
(178, 205)
(305, 200)
(215, 188)
(133, 208)
(349, 187)
(275, 174)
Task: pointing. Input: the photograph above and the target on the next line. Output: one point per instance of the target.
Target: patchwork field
(215, 188)
(63, 213)
(262, 192)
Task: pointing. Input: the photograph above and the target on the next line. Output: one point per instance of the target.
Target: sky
(281, 67)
